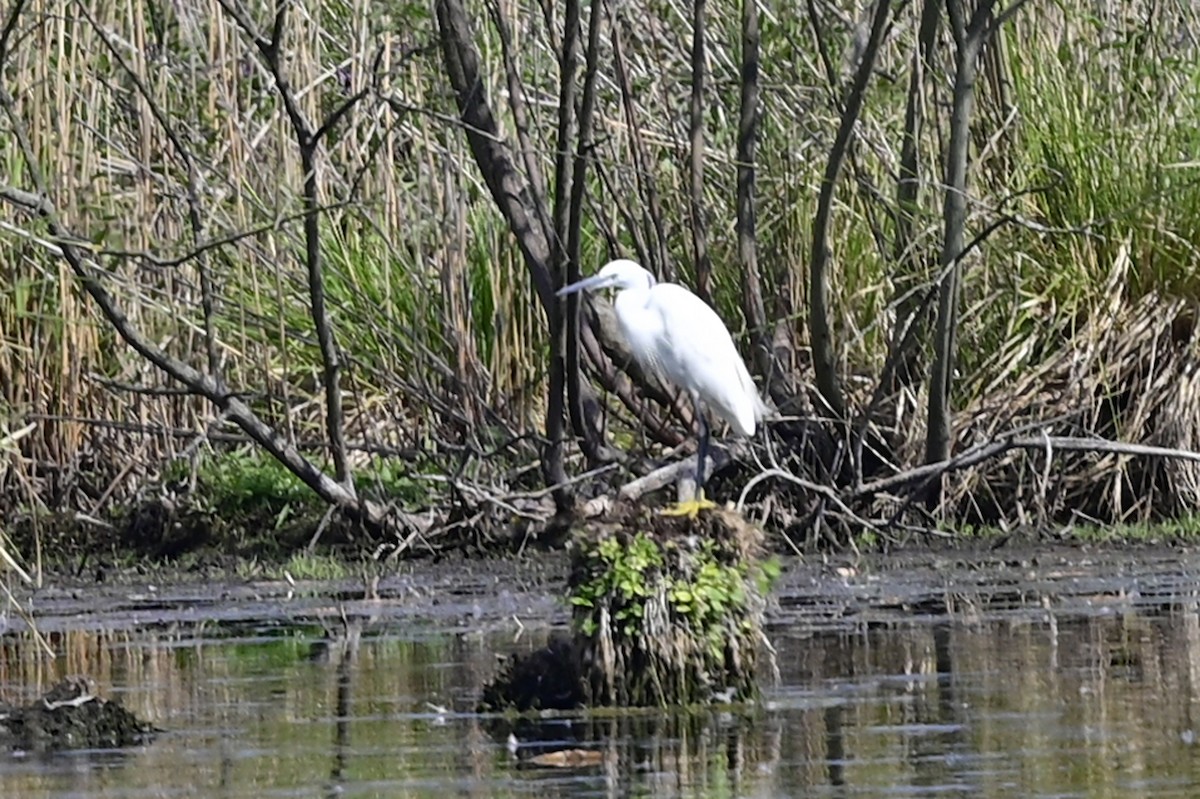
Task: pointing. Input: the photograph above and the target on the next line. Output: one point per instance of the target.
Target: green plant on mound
(619, 579)
(665, 616)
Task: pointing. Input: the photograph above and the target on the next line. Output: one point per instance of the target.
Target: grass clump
(252, 483)
(1184, 528)
(246, 502)
(311, 566)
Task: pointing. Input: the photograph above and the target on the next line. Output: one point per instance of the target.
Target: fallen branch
(992, 449)
(844, 499)
(922, 475)
(664, 476)
(718, 458)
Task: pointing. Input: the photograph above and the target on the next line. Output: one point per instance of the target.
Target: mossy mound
(70, 716)
(666, 611)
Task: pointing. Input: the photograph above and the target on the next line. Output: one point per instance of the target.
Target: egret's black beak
(595, 281)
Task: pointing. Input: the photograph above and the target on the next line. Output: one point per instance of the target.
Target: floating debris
(567, 758)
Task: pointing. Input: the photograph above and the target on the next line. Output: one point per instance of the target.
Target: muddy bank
(178, 543)
(459, 593)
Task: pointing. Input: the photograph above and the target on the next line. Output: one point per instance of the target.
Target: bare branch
(213, 244)
(25, 199)
(652, 216)
(195, 215)
(276, 27)
(524, 214)
(338, 113)
(983, 452)
(520, 114)
(1004, 16)
(614, 380)
(618, 196)
(308, 143)
(567, 64)
(10, 25)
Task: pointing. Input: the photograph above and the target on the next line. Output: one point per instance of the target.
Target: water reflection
(1033, 705)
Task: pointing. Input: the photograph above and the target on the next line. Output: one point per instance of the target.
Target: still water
(1056, 680)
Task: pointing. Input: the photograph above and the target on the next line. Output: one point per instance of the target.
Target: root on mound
(666, 611)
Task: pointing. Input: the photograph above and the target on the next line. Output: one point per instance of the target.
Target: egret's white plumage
(676, 334)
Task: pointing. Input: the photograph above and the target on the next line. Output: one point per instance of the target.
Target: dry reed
(429, 296)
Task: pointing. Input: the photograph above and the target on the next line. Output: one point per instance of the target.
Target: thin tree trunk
(701, 263)
(582, 403)
(552, 463)
(520, 113)
(512, 196)
(747, 146)
(509, 190)
(308, 140)
(969, 38)
(910, 324)
(824, 357)
(567, 63)
(584, 408)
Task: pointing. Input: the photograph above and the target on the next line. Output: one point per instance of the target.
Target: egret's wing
(642, 328)
(698, 354)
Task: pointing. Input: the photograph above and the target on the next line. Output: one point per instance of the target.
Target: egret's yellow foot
(691, 508)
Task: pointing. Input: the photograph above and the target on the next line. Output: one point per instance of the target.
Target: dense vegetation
(170, 141)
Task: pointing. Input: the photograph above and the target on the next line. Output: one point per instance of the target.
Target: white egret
(676, 335)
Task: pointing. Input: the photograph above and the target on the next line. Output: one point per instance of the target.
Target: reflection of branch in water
(943, 713)
(835, 744)
(347, 650)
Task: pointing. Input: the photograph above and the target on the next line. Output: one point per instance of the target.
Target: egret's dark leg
(692, 507)
(701, 455)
